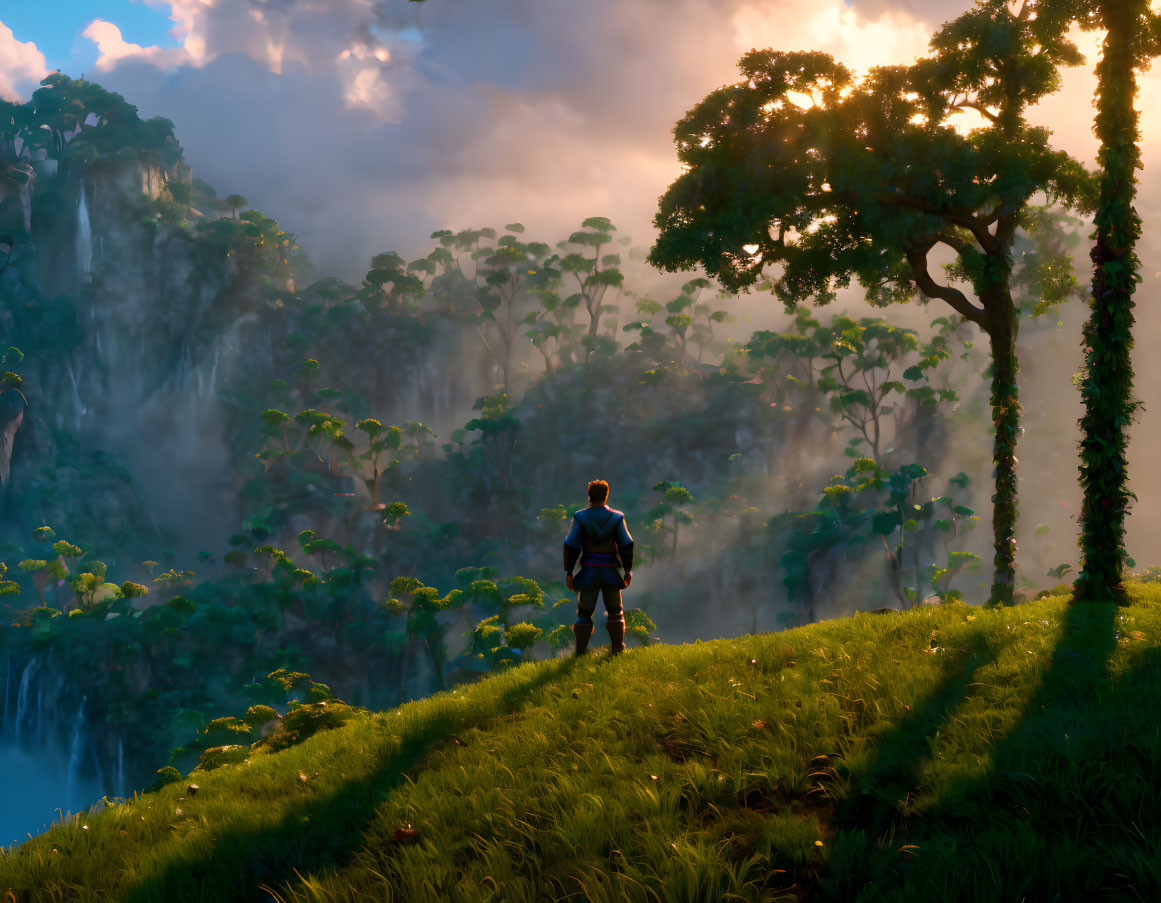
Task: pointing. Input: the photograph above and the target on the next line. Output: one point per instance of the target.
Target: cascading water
(84, 240)
(7, 693)
(76, 751)
(79, 407)
(47, 766)
(22, 698)
(119, 787)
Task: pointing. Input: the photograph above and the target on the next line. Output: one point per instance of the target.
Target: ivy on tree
(1132, 37)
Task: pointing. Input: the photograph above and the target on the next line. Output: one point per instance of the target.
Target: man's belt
(600, 559)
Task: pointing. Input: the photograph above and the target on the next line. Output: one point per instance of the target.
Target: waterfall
(119, 787)
(84, 240)
(76, 753)
(78, 405)
(38, 736)
(22, 697)
(39, 744)
(7, 693)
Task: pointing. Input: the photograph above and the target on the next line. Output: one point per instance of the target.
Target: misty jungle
(282, 613)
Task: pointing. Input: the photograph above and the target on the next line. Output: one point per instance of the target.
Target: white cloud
(855, 39)
(114, 48)
(20, 62)
(364, 124)
(187, 16)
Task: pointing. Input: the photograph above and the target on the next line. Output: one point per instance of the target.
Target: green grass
(946, 753)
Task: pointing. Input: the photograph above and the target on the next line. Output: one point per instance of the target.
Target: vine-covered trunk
(1006, 422)
(1108, 334)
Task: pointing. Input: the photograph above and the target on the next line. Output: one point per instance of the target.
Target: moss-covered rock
(306, 721)
(165, 776)
(217, 756)
(258, 715)
(222, 731)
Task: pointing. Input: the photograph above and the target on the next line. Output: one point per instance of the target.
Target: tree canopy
(809, 177)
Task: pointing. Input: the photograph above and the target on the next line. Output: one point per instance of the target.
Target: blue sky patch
(56, 28)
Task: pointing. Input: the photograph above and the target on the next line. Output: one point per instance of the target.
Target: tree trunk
(1108, 335)
(1006, 421)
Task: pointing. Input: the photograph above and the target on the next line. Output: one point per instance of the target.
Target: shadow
(320, 832)
(1030, 827)
(872, 803)
(876, 806)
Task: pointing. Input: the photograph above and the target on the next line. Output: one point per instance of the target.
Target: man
(601, 540)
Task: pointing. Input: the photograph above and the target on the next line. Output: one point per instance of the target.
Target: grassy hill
(945, 753)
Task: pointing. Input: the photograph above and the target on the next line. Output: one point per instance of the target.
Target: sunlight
(801, 100)
(857, 41)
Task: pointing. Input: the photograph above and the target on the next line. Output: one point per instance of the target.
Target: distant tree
(664, 522)
(552, 327)
(387, 448)
(491, 454)
(594, 275)
(858, 377)
(235, 202)
(388, 284)
(830, 178)
(504, 271)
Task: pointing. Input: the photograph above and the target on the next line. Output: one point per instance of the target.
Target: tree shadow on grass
(1047, 818)
(319, 832)
(874, 809)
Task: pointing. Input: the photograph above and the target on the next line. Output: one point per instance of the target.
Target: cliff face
(129, 331)
(153, 320)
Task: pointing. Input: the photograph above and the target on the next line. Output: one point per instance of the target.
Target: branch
(917, 258)
(979, 108)
(484, 339)
(978, 226)
(954, 242)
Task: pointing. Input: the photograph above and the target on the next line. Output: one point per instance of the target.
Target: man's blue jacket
(601, 540)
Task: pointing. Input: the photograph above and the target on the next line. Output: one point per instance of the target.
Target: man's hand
(628, 578)
(568, 583)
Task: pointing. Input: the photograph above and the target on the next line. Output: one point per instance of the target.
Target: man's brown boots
(617, 636)
(583, 632)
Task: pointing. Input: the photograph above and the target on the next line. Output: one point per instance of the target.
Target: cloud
(893, 36)
(186, 16)
(932, 12)
(21, 65)
(113, 48)
(363, 126)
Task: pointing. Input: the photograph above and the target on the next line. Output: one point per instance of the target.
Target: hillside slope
(945, 753)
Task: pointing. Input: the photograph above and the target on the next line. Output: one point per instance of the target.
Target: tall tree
(594, 275)
(1107, 386)
(802, 166)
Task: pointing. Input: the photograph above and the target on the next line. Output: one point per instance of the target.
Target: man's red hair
(598, 491)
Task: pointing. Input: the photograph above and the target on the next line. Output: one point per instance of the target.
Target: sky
(364, 125)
